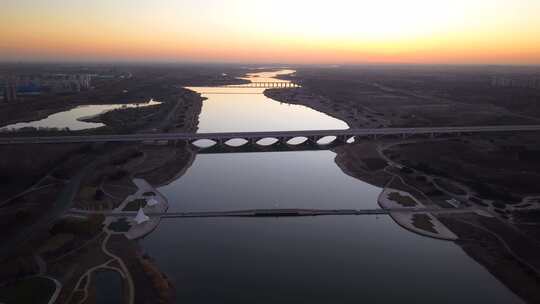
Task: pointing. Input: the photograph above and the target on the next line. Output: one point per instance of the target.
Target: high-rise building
(35, 84)
(10, 91)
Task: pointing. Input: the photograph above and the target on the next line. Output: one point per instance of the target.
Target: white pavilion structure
(151, 202)
(141, 217)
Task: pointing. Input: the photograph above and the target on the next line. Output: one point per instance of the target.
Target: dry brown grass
(403, 200)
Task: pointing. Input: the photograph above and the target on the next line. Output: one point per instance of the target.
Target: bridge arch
(266, 141)
(295, 141)
(203, 143)
(326, 140)
(236, 142)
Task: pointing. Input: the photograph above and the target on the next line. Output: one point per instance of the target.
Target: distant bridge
(267, 85)
(278, 137)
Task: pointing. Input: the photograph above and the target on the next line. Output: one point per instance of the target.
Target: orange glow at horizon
(388, 31)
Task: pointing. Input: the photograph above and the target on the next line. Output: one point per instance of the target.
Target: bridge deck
(268, 85)
(280, 212)
(259, 135)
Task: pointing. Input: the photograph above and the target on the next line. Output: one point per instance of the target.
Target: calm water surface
(108, 286)
(229, 109)
(71, 118)
(347, 259)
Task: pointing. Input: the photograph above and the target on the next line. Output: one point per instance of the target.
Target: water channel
(347, 259)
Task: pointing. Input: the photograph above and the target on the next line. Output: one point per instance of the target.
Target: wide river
(345, 259)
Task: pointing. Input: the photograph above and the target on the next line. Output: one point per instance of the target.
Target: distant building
(506, 82)
(10, 91)
(53, 83)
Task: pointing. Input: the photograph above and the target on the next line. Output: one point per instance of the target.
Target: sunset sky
(285, 31)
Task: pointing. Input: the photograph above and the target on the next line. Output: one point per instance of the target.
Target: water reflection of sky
(268, 180)
(70, 119)
(267, 76)
(247, 109)
(251, 112)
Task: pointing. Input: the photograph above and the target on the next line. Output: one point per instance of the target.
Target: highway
(432, 131)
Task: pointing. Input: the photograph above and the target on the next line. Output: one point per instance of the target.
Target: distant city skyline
(328, 32)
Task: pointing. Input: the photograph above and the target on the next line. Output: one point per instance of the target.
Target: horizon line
(254, 63)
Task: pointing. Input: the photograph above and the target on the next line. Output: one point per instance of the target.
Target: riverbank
(357, 117)
(489, 241)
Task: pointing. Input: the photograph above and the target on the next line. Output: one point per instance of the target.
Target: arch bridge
(238, 139)
(267, 85)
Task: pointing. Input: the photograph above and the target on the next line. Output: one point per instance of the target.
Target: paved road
(260, 135)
